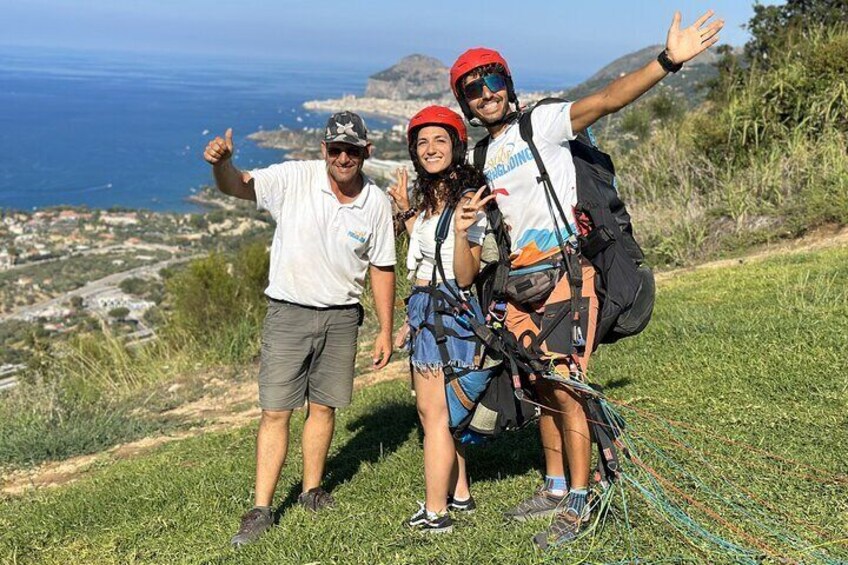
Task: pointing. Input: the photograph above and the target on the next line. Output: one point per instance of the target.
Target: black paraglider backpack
(624, 285)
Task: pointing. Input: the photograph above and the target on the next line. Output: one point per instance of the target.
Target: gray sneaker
(541, 504)
(569, 524)
(316, 499)
(565, 528)
(253, 525)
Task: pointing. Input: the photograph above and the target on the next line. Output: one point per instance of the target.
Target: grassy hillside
(752, 352)
(688, 85)
(765, 158)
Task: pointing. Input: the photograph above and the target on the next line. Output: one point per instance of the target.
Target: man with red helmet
(483, 86)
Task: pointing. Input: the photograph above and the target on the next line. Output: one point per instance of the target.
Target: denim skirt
(462, 348)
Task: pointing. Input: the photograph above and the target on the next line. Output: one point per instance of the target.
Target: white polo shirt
(322, 248)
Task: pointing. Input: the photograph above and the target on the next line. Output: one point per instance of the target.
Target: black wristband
(404, 216)
(666, 63)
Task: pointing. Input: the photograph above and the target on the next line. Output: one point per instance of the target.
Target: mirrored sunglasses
(494, 82)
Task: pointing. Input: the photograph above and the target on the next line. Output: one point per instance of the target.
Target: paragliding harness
(624, 287)
(483, 403)
(481, 400)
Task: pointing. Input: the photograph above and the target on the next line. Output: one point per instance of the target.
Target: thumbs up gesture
(219, 149)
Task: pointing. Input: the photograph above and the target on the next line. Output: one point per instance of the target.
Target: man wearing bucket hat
(333, 225)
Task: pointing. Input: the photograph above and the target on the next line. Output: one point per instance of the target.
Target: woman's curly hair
(448, 185)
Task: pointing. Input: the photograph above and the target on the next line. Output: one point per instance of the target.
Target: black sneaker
(316, 499)
(429, 522)
(467, 506)
(253, 525)
(541, 504)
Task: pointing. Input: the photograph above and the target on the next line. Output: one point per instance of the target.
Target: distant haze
(548, 44)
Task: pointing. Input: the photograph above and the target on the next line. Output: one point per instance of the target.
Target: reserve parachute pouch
(498, 409)
(532, 285)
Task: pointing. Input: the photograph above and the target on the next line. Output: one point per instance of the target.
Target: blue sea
(106, 129)
(120, 129)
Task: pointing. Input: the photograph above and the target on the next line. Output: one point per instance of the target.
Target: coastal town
(66, 269)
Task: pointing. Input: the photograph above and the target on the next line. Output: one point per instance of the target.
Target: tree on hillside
(134, 285)
(119, 313)
(771, 25)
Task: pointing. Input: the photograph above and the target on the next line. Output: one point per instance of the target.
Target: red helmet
(437, 116)
(472, 59)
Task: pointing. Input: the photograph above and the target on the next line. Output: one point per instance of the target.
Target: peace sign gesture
(398, 191)
(468, 208)
(685, 44)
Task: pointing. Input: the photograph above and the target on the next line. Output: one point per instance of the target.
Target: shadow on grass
(617, 383)
(376, 434)
(511, 453)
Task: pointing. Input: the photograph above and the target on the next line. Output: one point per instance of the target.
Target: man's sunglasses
(353, 151)
(494, 82)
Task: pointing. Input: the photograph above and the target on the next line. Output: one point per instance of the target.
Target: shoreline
(399, 111)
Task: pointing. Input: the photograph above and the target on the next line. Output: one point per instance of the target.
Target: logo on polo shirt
(359, 236)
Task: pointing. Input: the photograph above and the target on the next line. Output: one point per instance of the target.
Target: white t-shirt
(321, 247)
(512, 173)
(421, 257)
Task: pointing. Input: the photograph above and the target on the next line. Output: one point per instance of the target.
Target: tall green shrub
(763, 158)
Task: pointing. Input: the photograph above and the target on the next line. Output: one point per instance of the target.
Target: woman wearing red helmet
(437, 146)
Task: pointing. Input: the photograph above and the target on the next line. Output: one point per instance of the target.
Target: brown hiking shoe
(253, 525)
(565, 528)
(316, 499)
(569, 524)
(541, 504)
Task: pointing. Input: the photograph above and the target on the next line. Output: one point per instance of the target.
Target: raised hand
(467, 209)
(219, 149)
(685, 44)
(398, 191)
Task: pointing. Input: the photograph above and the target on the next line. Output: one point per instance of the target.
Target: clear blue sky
(568, 38)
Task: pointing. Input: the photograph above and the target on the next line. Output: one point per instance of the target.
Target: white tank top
(421, 257)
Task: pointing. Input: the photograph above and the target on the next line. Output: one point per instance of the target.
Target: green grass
(754, 353)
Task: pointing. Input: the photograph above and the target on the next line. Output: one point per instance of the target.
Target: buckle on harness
(577, 339)
(497, 314)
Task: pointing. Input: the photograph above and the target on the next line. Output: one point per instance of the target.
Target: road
(95, 251)
(8, 383)
(92, 288)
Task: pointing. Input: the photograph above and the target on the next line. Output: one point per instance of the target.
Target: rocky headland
(415, 77)
(398, 92)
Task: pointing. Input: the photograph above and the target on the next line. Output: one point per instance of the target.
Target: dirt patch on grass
(826, 237)
(230, 405)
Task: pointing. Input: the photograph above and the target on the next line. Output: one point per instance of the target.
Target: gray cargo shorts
(307, 353)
